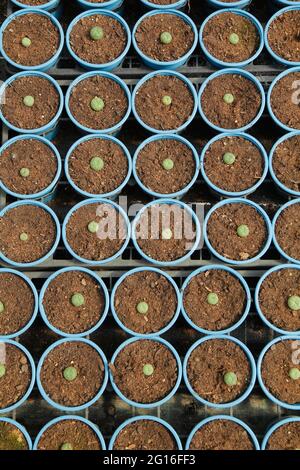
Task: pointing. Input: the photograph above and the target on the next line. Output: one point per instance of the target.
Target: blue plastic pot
(51, 188)
(112, 130)
(44, 314)
(281, 186)
(96, 201)
(217, 4)
(221, 63)
(115, 313)
(174, 6)
(277, 245)
(71, 409)
(260, 380)
(171, 73)
(260, 211)
(21, 428)
(32, 381)
(250, 358)
(157, 64)
(169, 202)
(284, 3)
(6, 209)
(50, 6)
(109, 65)
(35, 308)
(147, 418)
(46, 65)
(108, 5)
(238, 193)
(51, 423)
(163, 400)
(245, 74)
(227, 418)
(274, 428)
(242, 282)
(184, 141)
(112, 194)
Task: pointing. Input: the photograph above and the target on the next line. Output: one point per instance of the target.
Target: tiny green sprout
(97, 104)
(24, 172)
(2, 370)
(97, 164)
(2, 307)
(234, 38)
(28, 101)
(166, 37)
(168, 164)
(166, 100)
(167, 234)
(212, 298)
(230, 379)
(24, 237)
(26, 42)
(294, 373)
(229, 158)
(93, 227)
(228, 98)
(294, 302)
(96, 33)
(77, 299)
(148, 369)
(142, 308)
(243, 231)
(70, 373)
(66, 446)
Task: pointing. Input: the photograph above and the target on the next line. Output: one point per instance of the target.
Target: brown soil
(285, 101)
(36, 223)
(231, 305)
(246, 105)
(222, 231)
(286, 437)
(150, 170)
(31, 154)
(59, 309)
(128, 373)
(243, 173)
(286, 163)
(98, 52)
(207, 365)
(151, 110)
(221, 434)
(90, 370)
(149, 287)
(18, 300)
(40, 30)
(71, 431)
(98, 182)
(114, 97)
(16, 380)
(284, 36)
(11, 438)
(287, 231)
(145, 435)
(35, 2)
(218, 30)
(275, 367)
(163, 2)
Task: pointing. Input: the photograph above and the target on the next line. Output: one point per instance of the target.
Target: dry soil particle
(286, 162)
(222, 231)
(221, 434)
(231, 300)
(128, 372)
(152, 111)
(275, 367)
(163, 2)
(144, 434)
(287, 229)
(11, 438)
(71, 431)
(34, 155)
(284, 35)
(33, 221)
(285, 100)
(243, 174)
(35, 2)
(90, 373)
(286, 437)
(60, 311)
(243, 110)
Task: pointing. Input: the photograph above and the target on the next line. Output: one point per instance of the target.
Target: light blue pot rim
(169, 202)
(238, 3)
(54, 150)
(51, 3)
(36, 303)
(233, 71)
(172, 73)
(170, 394)
(286, 2)
(147, 418)
(259, 210)
(108, 3)
(242, 281)
(291, 419)
(278, 247)
(115, 314)
(259, 366)
(106, 75)
(57, 226)
(33, 375)
(101, 389)
(178, 4)
(244, 136)
(98, 12)
(101, 137)
(21, 428)
(227, 418)
(271, 169)
(235, 11)
(103, 315)
(70, 417)
(166, 137)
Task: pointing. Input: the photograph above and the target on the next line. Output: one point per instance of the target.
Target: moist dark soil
(284, 35)
(286, 437)
(151, 110)
(145, 435)
(31, 154)
(221, 434)
(246, 105)
(222, 231)
(286, 163)
(287, 231)
(35, 2)
(208, 364)
(163, 2)
(36, 223)
(90, 373)
(285, 100)
(71, 431)
(59, 309)
(106, 180)
(231, 305)
(275, 367)
(128, 373)
(243, 174)
(11, 438)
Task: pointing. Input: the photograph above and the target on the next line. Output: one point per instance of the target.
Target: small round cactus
(142, 308)
(97, 104)
(212, 298)
(228, 98)
(166, 100)
(167, 234)
(2, 370)
(166, 37)
(148, 370)
(28, 101)
(26, 42)
(24, 237)
(96, 33)
(66, 446)
(70, 373)
(168, 164)
(294, 302)
(294, 373)
(97, 164)
(2, 307)
(77, 299)
(234, 38)
(230, 379)
(24, 172)
(243, 231)
(93, 227)
(229, 158)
